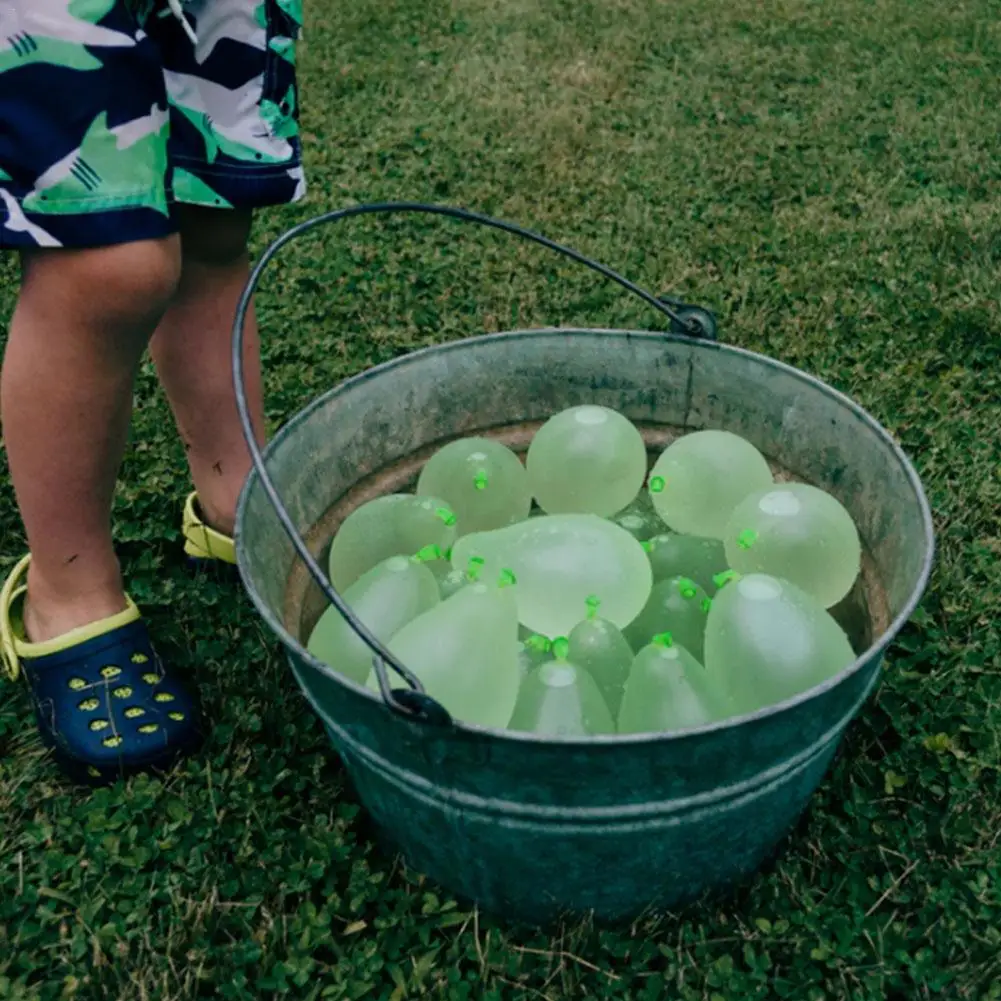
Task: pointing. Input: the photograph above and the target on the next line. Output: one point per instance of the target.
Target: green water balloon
(599, 647)
(533, 651)
(464, 650)
(385, 598)
(669, 690)
(587, 459)
(456, 579)
(560, 561)
(701, 477)
(481, 480)
(640, 519)
(674, 555)
(677, 606)
(560, 699)
(767, 640)
(799, 533)
(394, 525)
(453, 581)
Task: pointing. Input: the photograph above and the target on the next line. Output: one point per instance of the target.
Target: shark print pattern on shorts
(110, 115)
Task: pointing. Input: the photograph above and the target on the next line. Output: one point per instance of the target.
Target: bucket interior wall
(468, 806)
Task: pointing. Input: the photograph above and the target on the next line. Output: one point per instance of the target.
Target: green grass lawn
(825, 175)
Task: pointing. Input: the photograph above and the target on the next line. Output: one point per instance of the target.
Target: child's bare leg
(191, 348)
(81, 324)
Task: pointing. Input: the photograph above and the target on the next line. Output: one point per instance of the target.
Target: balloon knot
(445, 515)
(427, 554)
(539, 643)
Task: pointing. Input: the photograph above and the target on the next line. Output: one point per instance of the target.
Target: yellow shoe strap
(13, 587)
(14, 645)
(203, 542)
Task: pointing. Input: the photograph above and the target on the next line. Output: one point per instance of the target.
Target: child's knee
(214, 237)
(127, 286)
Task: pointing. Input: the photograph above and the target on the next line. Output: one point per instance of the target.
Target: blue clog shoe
(104, 700)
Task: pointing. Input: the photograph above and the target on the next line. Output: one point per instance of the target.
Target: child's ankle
(49, 614)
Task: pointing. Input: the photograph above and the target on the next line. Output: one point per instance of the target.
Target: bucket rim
(874, 653)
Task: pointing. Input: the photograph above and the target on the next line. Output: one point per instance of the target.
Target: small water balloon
(674, 555)
(481, 480)
(799, 533)
(669, 690)
(587, 459)
(533, 651)
(560, 699)
(767, 640)
(701, 477)
(464, 650)
(394, 525)
(385, 598)
(677, 606)
(599, 647)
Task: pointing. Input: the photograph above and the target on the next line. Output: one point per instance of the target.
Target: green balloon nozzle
(427, 554)
(507, 579)
(687, 588)
(475, 567)
(724, 578)
(539, 643)
(657, 484)
(446, 516)
(707, 604)
(647, 546)
(447, 555)
(480, 479)
(665, 640)
(561, 647)
(593, 603)
(747, 538)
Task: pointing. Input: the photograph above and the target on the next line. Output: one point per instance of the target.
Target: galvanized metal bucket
(531, 828)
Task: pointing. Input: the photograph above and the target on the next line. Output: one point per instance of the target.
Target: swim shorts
(111, 114)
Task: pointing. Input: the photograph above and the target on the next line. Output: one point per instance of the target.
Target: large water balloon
(767, 640)
(560, 699)
(669, 690)
(586, 459)
(799, 533)
(674, 555)
(385, 598)
(394, 525)
(677, 606)
(481, 480)
(701, 477)
(599, 647)
(559, 562)
(464, 650)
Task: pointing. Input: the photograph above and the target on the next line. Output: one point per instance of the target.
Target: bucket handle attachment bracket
(413, 702)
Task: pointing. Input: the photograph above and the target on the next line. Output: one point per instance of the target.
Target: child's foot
(103, 698)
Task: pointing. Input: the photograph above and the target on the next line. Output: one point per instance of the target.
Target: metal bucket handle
(413, 703)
